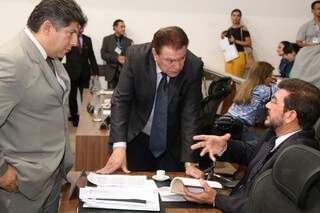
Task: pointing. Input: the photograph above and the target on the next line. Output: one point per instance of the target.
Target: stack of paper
(121, 192)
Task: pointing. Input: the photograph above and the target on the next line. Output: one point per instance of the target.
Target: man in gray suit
(34, 88)
(113, 52)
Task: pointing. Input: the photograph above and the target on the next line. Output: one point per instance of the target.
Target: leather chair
(217, 92)
(293, 185)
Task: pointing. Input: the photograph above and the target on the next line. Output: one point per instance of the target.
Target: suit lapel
(293, 139)
(63, 75)
(36, 57)
(152, 74)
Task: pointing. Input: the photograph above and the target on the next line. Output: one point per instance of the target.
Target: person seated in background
(292, 112)
(290, 51)
(240, 36)
(254, 93)
(308, 34)
(113, 52)
(283, 66)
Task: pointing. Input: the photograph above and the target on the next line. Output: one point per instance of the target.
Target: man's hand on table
(116, 161)
(194, 172)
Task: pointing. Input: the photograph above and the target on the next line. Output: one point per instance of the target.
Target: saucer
(164, 178)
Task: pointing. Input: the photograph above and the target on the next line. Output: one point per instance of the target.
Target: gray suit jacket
(34, 136)
(108, 54)
(306, 65)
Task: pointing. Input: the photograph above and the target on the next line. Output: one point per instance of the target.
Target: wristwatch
(186, 164)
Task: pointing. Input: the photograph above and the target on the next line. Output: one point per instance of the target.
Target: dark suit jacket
(249, 154)
(110, 56)
(133, 99)
(81, 64)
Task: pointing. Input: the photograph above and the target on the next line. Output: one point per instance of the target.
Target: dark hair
(314, 4)
(304, 98)
(290, 48)
(173, 36)
(236, 10)
(60, 12)
(116, 22)
(285, 43)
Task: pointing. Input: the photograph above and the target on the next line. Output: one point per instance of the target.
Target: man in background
(155, 107)
(80, 64)
(113, 52)
(34, 88)
(292, 112)
(309, 33)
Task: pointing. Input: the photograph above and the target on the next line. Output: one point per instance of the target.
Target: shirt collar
(36, 42)
(158, 69)
(282, 138)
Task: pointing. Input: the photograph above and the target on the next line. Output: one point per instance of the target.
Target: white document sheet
(117, 180)
(196, 183)
(144, 198)
(229, 51)
(167, 196)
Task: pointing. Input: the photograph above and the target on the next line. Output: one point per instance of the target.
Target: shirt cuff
(224, 149)
(119, 144)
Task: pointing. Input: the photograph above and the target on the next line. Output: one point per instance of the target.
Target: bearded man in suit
(292, 112)
(34, 87)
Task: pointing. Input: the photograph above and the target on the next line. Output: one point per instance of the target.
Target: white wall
(269, 22)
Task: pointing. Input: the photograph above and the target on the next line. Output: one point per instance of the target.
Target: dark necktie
(50, 63)
(264, 158)
(158, 135)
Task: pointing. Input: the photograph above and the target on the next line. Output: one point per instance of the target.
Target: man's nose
(74, 40)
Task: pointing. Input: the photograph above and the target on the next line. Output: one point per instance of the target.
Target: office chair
(293, 185)
(217, 91)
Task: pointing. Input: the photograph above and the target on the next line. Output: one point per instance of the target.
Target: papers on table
(117, 180)
(105, 92)
(120, 192)
(193, 185)
(230, 51)
(167, 196)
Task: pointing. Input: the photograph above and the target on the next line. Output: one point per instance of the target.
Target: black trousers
(140, 158)
(73, 105)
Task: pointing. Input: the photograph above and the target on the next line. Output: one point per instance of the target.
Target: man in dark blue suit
(292, 112)
(80, 64)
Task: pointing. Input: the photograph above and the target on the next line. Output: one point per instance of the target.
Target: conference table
(92, 152)
(165, 207)
(91, 143)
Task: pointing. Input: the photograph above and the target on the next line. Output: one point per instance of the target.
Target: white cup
(107, 103)
(161, 173)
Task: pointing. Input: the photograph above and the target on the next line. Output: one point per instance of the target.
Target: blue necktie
(158, 135)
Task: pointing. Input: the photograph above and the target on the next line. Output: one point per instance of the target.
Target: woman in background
(284, 63)
(240, 36)
(249, 103)
(290, 51)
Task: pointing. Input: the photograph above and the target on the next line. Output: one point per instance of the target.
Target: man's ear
(46, 27)
(291, 116)
(154, 53)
